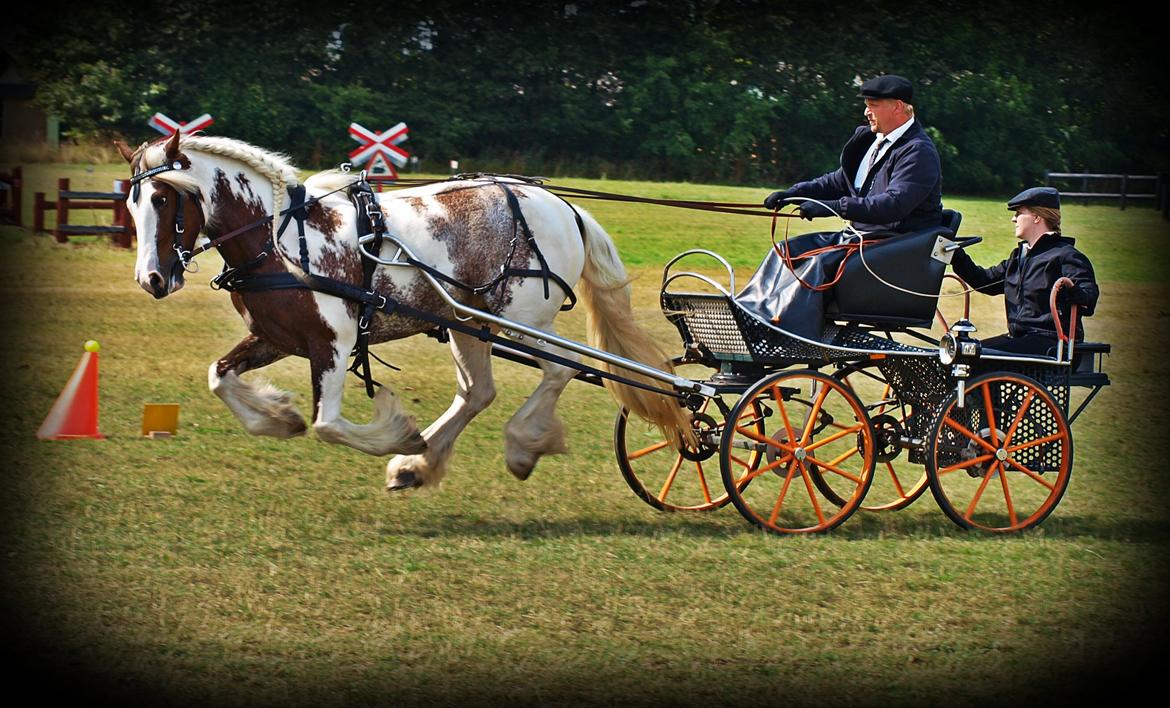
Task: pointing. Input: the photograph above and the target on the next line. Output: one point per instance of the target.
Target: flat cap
(888, 86)
(1047, 197)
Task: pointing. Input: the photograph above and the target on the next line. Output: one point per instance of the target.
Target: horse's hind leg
(263, 410)
(535, 430)
(473, 370)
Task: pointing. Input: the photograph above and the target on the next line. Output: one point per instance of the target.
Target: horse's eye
(158, 200)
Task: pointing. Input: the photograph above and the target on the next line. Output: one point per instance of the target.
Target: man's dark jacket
(1026, 284)
(903, 191)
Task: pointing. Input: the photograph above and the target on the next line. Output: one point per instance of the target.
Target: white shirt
(890, 138)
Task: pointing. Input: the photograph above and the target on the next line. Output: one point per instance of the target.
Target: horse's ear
(124, 150)
(173, 145)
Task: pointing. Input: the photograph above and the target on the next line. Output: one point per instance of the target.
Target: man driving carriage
(889, 182)
(1026, 277)
(890, 178)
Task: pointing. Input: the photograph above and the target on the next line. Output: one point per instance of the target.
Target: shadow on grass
(725, 523)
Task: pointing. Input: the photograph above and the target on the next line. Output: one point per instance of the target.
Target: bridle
(184, 258)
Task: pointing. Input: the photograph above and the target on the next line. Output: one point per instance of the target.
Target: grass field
(220, 569)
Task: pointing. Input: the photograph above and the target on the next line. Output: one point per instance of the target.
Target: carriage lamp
(958, 349)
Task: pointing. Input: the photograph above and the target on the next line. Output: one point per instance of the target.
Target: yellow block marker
(160, 420)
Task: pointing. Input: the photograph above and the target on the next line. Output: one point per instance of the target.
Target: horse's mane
(274, 166)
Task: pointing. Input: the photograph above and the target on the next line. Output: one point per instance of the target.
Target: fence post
(1124, 188)
(62, 210)
(122, 215)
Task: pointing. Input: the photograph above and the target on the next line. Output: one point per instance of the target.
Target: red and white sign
(169, 126)
(376, 148)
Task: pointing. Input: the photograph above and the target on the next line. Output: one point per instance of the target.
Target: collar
(894, 135)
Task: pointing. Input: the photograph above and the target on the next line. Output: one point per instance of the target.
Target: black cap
(1047, 197)
(888, 86)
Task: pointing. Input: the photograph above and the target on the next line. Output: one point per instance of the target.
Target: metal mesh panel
(706, 320)
(1038, 421)
(727, 330)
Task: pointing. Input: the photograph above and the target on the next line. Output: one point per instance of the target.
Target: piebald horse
(187, 185)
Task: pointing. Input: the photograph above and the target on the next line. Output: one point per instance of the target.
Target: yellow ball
(92, 346)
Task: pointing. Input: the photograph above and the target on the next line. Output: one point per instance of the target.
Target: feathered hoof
(404, 480)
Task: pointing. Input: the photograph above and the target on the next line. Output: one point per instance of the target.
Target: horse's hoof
(404, 480)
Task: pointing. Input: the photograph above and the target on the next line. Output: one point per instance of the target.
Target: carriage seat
(908, 261)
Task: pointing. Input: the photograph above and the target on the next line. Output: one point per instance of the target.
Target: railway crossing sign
(168, 126)
(380, 151)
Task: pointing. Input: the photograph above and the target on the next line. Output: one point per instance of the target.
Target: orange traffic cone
(75, 414)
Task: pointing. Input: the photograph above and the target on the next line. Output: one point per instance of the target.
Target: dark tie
(873, 158)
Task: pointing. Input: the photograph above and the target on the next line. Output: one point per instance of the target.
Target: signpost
(379, 152)
(169, 126)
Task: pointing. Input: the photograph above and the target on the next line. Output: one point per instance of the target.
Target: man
(890, 180)
(890, 177)
(1026, 278)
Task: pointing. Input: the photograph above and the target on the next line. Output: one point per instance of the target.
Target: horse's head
(167, 213)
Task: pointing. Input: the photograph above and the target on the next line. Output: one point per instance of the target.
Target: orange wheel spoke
(832, 467)
(766, 468)
(670, 479)
(1040, 480)
(703, 481)
(812, 495)
(812, 415)
(778, 397)
(967, 433)
(990, 413)
(979, 492)
(780, 498)
(1039, 441)
(1007, 496)
(647, 450)
(833, 438)
(740, 462)
(748, 433)
(1019, 416)
(897, 482)
(965, 464)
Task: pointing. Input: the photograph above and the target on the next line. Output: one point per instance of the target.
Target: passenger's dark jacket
(1027, 286)
(902, 193)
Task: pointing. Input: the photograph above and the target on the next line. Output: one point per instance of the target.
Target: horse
(231, 192)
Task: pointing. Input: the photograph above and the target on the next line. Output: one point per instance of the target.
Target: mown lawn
(220, 569)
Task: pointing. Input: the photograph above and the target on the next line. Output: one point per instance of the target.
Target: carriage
(870, 412)
(807, 423)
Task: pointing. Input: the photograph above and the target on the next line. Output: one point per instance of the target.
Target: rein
(562, 191)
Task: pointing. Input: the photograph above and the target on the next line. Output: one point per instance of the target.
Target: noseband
(185, 257)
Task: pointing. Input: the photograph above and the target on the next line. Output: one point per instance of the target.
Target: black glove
(775, 200)
(814, 210)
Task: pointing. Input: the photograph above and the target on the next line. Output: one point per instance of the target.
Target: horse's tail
(605, 292)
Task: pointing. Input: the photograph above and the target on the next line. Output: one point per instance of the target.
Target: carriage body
(866, 415)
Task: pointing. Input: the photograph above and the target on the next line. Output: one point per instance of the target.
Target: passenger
(1026, 278)
(890, 178)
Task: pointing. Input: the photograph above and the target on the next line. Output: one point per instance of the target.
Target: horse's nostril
(156, 280)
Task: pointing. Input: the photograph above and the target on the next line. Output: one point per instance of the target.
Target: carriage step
(1089, 380)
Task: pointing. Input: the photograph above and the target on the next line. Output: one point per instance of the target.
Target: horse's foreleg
(390, 430)
(535, 430)
(476, 391)
(263, 410)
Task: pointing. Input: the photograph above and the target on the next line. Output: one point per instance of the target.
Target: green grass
(222, 569)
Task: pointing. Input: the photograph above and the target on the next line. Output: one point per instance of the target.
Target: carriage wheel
(819, 453)
(665, 474)
(896, 482)
(1002, 461)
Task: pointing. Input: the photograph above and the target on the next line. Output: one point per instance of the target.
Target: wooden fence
(1152, 189)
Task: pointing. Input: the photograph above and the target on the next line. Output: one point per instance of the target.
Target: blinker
(137, 179)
